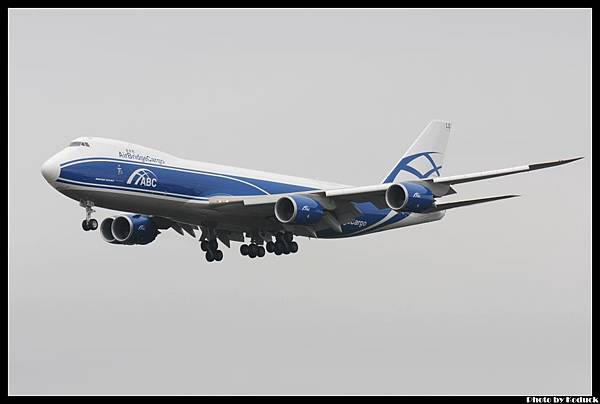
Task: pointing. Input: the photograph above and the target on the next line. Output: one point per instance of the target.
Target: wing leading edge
(458, 179)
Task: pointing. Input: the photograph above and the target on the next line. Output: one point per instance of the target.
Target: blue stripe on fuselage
(113, 173)
(109, 173)
(273, 185)
(98, 186)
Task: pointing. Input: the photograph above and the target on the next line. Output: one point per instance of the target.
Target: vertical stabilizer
(424, 158)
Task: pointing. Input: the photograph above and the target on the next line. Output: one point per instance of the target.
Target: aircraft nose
(50, 170)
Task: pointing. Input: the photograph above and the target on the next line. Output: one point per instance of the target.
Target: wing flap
(164, 223)
(370, 193)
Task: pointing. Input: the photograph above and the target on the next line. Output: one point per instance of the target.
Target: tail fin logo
(405, 165)
(143, 177)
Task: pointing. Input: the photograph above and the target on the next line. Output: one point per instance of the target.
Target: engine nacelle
(409, 197)
(297, 209)
(106, 231)
(128, 229)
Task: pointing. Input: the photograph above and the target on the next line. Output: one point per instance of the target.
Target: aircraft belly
(124, 202)
(375, 223)
(179, 210)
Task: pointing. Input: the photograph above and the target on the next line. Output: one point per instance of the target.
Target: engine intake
(297, 209)
(128, 229)
(409, 197)
(106, 231)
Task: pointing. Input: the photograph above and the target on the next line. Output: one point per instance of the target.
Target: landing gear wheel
(218, 255)
(244, 249)
(210, 257)
(251, 253)
(88, 223)
(204, 245)
(212, 244)
(286, 250)
(253, 250)
(293, 247)
(288, 237)
(270, 246)
(261, 251)
(278, 249)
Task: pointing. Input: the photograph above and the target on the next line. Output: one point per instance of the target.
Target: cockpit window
(86, 144)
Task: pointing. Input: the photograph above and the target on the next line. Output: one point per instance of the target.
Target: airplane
(158, 191)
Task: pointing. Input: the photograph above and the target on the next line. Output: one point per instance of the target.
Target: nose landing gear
(88, 223)
(92, 224)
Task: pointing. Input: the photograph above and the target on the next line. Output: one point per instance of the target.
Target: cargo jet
(264, 211)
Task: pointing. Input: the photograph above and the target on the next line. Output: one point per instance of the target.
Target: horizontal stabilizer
(466, 202)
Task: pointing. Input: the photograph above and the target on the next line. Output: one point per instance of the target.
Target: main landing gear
(212, 250)
(88, 223)
(253, 250)
(284, 244)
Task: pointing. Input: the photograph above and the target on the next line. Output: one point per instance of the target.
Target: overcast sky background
(493, 299)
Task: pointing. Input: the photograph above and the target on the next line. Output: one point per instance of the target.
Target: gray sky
(493, 299)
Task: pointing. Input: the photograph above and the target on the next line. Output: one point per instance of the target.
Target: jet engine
(409, 197)
(296, 209)
(128, 229)
(106, 231)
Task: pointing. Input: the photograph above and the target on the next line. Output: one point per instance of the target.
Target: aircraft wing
(369, 193)
(458, 179)
(467, 202)
(340, 204)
